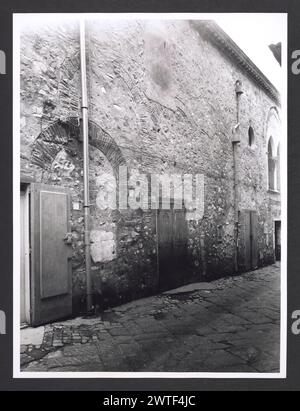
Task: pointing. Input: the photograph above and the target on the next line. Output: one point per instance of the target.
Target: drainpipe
(235, 143)
(85, 136)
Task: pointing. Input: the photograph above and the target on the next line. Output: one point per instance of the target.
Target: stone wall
(161, 100)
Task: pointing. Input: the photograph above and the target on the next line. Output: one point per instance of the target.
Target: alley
(229, 325)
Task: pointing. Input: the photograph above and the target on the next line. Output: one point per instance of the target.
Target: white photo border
(17, 373)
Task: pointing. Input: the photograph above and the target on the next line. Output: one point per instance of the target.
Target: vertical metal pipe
(236, 206)
(238, 92)
(85, 135)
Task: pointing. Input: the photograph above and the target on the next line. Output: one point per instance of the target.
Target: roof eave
(212, 32)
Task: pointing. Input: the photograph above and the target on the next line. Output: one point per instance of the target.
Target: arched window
(251, 136)
(271, 165)
(278, 168)
(273, 133)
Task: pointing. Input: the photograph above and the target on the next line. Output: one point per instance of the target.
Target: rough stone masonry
(161, 100)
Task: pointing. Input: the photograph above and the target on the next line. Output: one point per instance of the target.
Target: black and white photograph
(150, 195)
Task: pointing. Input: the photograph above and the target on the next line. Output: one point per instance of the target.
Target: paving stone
(25, 359)
(64, 361)
(86, 351)
(23, 349)
(221, 360)
(57, 343)
(234, 328)
(55, 354)
(37, 354)
(118, 331)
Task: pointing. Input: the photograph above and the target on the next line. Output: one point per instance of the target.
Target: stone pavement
(233, 325)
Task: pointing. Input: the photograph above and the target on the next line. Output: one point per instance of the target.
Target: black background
(292, 7)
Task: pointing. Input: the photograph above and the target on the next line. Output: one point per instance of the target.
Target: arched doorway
(56, 229)
(273, 136)
(273, 133)
(271, 165)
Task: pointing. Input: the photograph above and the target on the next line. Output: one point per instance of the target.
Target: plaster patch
(103, 247)
(33, 336)
(62, 163)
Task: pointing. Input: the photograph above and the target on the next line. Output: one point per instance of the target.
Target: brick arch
(56, 136)
(100, 139)
(273, 111)
(70, 66)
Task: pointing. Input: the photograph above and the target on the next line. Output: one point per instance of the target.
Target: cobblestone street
(229, 325)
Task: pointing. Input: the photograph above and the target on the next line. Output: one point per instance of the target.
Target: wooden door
(250, 232)
(278, 240)
(165, 248)
(254, 248)
(248, 257)
(24, 260)
(172, 248)
(180, 235)
(51, 282)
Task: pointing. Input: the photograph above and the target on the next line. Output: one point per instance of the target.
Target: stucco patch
(62, 163)
(103, 246)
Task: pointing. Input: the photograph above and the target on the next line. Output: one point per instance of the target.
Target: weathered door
(180, 235)
(254, 248)
(165, 248)
(51, 283)
(248, 258)
(24, 260)
(251, 252)
(172, 248)
(278, 240)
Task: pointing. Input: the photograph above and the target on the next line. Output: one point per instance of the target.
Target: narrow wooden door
(172, 248)
(165, 248)
(180, 235)
(278, 240)
(24, 260)
(51, 283)
(250, 232)
(247, 233)
(254, 248)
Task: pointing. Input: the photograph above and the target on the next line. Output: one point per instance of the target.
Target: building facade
(165, 98)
